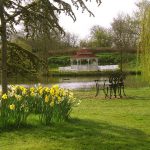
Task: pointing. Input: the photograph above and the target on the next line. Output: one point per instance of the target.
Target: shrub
(59, 61)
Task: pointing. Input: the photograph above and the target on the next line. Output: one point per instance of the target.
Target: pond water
(77, 82)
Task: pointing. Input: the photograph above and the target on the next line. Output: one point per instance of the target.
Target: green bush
(59, 61)
(115, 58)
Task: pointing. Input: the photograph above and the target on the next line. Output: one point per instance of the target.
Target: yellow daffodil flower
(18, 97)
(4, 96)
(59, 99)
(41, 91)
(40, 87)
(32, 94)
(47, 89)
(52, 104)
(52, 91)
(24, 92)
(46, 99)
(12, 107)
(32, 89)
(55, 86)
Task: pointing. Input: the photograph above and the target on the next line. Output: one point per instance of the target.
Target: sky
(104, 15)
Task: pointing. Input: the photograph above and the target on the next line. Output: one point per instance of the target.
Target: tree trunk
(4, 48)
(121, 61)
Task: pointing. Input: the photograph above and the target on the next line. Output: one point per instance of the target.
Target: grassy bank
(96, 124)
(90, 73)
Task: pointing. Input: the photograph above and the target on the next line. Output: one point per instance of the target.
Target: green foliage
(22, 61)
(114, 58)
(108, 59)
(100, 37)
(145, 41)
(20, 41)
(51, 104)
(125, 31)
(59, 61)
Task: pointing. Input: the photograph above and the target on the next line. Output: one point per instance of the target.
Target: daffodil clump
(15, 106)
(51, 104)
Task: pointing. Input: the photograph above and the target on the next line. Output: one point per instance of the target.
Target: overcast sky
(104, 15)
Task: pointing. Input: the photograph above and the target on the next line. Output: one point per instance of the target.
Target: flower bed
(51, 104)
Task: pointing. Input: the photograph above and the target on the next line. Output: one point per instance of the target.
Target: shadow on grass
(102, 97)
(137, 98)
(84, 135)
(122, 98)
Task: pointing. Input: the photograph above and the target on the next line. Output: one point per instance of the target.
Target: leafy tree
(125, 31)
(83, 43)
(37, 16)
(100, 37)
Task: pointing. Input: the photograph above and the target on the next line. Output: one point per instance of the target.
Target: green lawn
(96, 124)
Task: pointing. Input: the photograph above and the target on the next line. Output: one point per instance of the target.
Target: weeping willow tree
(144, 45)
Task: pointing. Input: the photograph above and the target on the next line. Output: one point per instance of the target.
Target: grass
(96, 124)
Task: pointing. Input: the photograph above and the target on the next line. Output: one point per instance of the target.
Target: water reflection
(89, 82)
(77, 82)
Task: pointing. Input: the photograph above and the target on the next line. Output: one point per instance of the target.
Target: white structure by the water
(85, 68)
(85, 60)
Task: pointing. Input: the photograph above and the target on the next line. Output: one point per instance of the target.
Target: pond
(74, 83)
